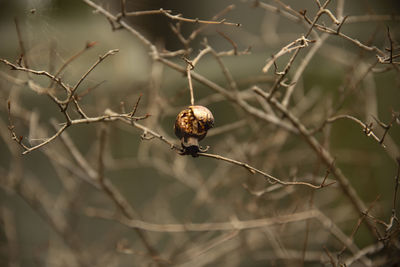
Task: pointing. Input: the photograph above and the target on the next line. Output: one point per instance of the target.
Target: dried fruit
(191, 126)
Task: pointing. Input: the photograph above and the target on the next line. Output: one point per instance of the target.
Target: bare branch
(253, 170)
(323, 154)
(21, 43)
(101, 58)
(48, 140)
(179, 17)
(366, 128)
(36, 72)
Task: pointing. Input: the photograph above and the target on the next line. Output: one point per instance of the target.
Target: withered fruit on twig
(191, 126)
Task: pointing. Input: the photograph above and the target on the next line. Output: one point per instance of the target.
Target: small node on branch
(368, 129)
(303, 12)
(146, 136)
(190, 63)
(341, 24)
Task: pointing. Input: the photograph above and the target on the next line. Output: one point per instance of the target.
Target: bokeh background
(164, 187)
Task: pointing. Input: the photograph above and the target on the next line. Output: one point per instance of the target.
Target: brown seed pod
(191, 126)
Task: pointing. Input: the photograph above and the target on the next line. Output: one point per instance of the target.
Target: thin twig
(366, 128)
(180, 18)
(133, 112)
(110, 115)
(101, 58)
(72, 58)
(36, 72)
(189, 76)
(87, 91)
(340, 34)
(384, 126)
(235, 47)
(396, 187)
(299, 72)
(253, 170)
(202, 27)
(391, 46)
(123, 8)
(21, 43)
(146, 12)
(102, 142)
(11, 128)
(299, 43)
(231, 82)
(202, 53)
(365, 251)
(357, 226)
(48, 140)
(330, 257)
(297, 48)
(341, 24)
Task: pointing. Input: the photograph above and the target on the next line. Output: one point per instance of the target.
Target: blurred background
(54, 213)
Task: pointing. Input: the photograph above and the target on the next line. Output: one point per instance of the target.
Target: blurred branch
(101, 58)
(374, 248)
(108, 188)
(323, 154)
(32, 192)
(10, 232)
(72, 58)
(23, 55)
(201, 227)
